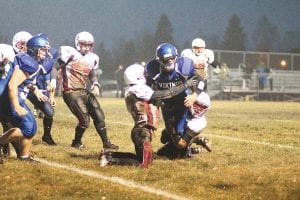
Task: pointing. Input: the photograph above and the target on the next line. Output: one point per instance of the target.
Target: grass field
(256, 155)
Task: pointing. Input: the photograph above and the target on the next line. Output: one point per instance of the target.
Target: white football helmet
(198, 42)
(201, 104)
(19, 41)
(134, 75)
(84, 42)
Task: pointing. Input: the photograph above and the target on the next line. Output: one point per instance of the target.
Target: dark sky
(110, 20)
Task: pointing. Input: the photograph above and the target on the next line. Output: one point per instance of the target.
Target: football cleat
(28, 159)
(48, 140)
(105, 158)
(77, 145)
(195, 150)
(109, 145)
(204, 142)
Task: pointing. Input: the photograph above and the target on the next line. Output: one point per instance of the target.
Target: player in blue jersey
(45, 83)
(168, 70)
(7, 55)
(20, 79)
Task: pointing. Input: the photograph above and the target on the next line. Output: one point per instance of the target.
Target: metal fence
(280, 61)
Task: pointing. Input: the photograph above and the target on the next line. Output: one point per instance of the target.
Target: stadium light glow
(283, 63)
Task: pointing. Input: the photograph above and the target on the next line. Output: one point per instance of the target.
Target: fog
(110, 21)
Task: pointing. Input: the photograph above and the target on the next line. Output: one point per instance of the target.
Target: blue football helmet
(166, 54)
(37, 42)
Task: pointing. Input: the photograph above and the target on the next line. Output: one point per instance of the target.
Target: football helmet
(84, 42)
(201, 104)
(19, 41)
(38, 45)
(198, 46)
(166, 54)
(134, 75)
(198, 42)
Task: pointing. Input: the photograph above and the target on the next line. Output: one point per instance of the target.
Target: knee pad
(81, 113)
(139, 135)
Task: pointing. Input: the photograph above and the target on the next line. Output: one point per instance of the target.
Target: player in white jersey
(202, 58)
(78, 65)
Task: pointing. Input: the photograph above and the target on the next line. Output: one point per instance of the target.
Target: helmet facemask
(199, 108)
(42, 53)
(168, 64)
(198, 50)
(85, 47)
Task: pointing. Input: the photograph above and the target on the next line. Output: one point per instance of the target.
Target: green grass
(247, 161)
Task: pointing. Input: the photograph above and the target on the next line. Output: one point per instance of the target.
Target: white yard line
(113, 179)
(284, 146)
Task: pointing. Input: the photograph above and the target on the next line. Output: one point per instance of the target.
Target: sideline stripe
(113, 179)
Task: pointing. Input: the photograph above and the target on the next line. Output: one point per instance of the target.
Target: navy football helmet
(166, 54)
(37, 42)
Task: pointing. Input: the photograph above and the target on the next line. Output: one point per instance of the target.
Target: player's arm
(196, 90)
(95, 88)
(171, 92)
(17, 78)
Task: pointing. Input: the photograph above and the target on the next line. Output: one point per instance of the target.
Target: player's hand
(52, 101)
(192, 82)
(21, 111)
(40, 95)
(190, 99)
(95, 89)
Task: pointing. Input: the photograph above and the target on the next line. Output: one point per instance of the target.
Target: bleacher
(286, 86)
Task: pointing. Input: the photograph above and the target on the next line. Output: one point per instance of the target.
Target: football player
(166, 71)
(139, 98)
(45, 83)
(7, 54)
(78, 65)
(202, 58)
(19, 80)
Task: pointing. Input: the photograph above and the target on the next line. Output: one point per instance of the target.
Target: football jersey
(76, 72)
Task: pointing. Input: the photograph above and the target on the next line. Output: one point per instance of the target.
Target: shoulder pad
(152, 68)
(54, 53)
(185, 66)
(26, 63)
(65, 52)
(92, 59)
(6, 51)
(210, 55)
(186, 53)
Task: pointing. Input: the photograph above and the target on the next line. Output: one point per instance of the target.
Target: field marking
(284, 146)
(113, 179)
